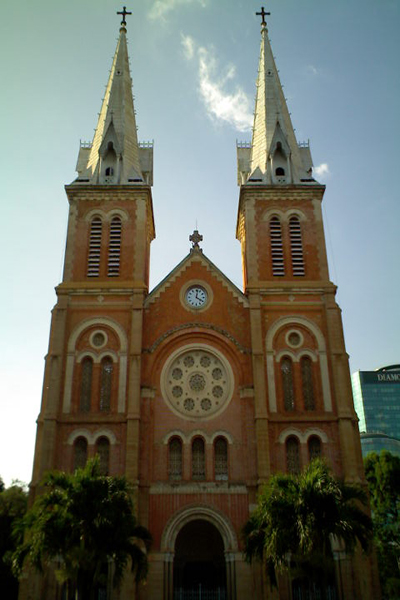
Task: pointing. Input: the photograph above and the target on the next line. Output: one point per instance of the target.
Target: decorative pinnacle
(124, 12)
(195, 238)
(263, 14)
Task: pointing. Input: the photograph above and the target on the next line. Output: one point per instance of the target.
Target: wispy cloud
(221, 105)
(161, 8)
(322, 171)
(188, 46)
(312, 70)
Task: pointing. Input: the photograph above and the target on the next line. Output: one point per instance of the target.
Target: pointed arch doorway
(199, 570)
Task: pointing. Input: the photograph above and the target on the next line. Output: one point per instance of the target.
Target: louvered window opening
(314, 448)
(293, 455)
(86, 385)
(198, 460)
(80, 453)
(114, 248)
(175, 460)
(275, 230)
(221, 459)
(93, 267)
(287, 383)
(296, 247)
(307, 383)
(103, 451)
(106, 381)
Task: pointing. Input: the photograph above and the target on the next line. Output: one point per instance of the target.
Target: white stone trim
(110, 435)
(273, 212)
(326, 388)
(323, 360)
(175, 433)
(291, 431)
(314, 431)
(223, 434)
(71, 358)
(105, 321)
(295, 212)
(91, 438)
(108, 354)
(77, 433)
(123, 367)
(95, 212)
(286, 352)
(307, 352)
(117, 212)
(303, 436)
(69, 371)
(196, 512)
(271, 382)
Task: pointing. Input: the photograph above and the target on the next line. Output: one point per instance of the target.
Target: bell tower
(91, 386)
(300, 365)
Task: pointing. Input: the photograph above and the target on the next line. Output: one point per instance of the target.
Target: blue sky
(194, 66)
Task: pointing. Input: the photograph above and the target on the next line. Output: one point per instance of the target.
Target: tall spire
(275, 156)
(114, 155)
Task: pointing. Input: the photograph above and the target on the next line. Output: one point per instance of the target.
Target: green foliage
(382, 472)
(13, 503)
(297, 517)
(81, 523)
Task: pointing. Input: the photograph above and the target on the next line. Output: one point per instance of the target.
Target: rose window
(197, 383)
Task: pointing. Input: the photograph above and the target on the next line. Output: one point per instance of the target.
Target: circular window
(197, 382)
(294, 338)
(98, 339)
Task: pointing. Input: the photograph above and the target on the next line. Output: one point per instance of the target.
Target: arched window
(114, 247)
(296, 247)
(80, 453)
(287, 383)
(198, 460)
(275, 232)
(307, 383)
(279, 171)
(86, 384)
(221, 459)
(314, 447)
(109, 172)
(105, 384)
(103, 452)
(293, 455)
(175, 459)
(93, 266)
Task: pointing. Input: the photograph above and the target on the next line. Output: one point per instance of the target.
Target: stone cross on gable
(195, 238)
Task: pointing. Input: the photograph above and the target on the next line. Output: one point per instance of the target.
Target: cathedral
(197, 391)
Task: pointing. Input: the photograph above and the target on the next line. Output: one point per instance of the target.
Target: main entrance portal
(199, 563)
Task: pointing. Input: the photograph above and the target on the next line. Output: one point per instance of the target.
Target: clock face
(196, 296)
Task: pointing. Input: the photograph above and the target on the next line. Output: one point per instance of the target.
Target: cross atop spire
(263, 14)
(123, 12)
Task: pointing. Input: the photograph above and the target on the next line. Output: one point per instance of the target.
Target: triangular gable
(195, 256)
(279, 136)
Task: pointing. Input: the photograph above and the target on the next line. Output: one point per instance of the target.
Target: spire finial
(263, 14)
(195, 238)
(123, 12)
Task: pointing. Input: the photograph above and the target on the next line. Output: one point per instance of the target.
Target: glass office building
(377, 403)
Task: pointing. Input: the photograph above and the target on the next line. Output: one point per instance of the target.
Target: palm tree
(82, 523)
(296, 519)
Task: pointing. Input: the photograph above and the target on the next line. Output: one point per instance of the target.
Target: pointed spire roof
(273, 134)
(115, 155)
